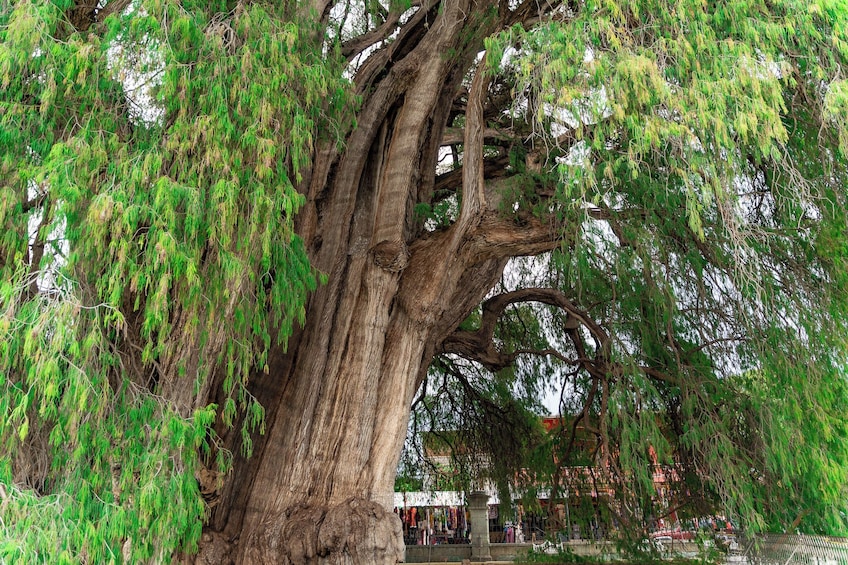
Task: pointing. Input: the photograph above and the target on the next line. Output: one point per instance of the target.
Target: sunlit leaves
(167, 141)
(701, 158)
(836, 110)
(115, 459)
(686, 85)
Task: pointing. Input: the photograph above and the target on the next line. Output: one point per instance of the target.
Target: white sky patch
(139, 72)
(355, 21)
(56, 247)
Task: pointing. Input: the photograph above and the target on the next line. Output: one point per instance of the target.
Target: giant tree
(236, 236)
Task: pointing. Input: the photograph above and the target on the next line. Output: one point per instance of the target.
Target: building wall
(509, 551)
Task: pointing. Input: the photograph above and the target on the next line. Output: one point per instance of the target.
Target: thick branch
(454, 136)
(473, 182)
(412, 133)
(451, 181)
(358, 44)
(382, 60)
(497, 237)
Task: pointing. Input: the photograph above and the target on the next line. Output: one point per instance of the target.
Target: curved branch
(360, 43)
(479, 345)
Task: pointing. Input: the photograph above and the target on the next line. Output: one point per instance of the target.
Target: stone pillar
(478, 508)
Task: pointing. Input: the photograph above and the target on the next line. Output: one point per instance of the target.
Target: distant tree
(239, 238)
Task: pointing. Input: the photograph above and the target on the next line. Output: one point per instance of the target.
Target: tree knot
(390, 255)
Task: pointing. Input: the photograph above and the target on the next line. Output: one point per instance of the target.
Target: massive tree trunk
(179, 221)
(320, 486)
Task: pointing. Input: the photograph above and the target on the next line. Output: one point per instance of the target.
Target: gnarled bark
(319, 488)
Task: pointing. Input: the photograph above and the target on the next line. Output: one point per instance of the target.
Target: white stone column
(478, 508)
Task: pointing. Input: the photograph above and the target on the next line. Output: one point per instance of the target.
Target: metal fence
(788, 549)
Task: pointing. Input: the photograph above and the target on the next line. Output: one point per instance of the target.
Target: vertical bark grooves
(473, 184)
(228, 515)
(320, 487)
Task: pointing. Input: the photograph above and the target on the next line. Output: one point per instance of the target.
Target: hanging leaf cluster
(147, 195)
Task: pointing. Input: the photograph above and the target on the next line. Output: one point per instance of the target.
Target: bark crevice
(319, 489)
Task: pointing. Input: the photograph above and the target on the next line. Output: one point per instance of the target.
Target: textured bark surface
(420, 175)
(356, 531)
(319, 488)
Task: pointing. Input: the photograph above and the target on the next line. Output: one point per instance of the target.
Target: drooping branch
(614, 219)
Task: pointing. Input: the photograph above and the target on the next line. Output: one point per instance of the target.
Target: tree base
(356, 532)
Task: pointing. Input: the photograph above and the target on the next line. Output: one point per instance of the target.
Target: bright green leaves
(701, 152)
(159, 153)
(836, 111)
(113, 469)
(241, 121)
(805, 432)
(687, 84)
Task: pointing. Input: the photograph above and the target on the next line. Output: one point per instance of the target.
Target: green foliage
(700, 152)
(685, 85)
(408, 483)
(157, 153)
(694, 168)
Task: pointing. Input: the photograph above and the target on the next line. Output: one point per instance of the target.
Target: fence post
(478, 507)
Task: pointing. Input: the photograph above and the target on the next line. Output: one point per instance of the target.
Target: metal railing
(791, 549)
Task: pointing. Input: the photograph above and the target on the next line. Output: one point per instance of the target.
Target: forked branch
(479, 345)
